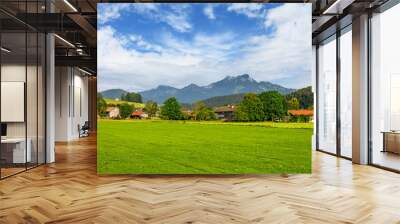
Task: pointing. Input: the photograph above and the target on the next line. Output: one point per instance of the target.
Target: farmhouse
(139, 114)
(112, 112)
(301, 115)
(225, 113)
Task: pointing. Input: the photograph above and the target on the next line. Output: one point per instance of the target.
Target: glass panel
(385, 92)
(23, 90)
(13, 86)
(327, 96)
(346, 94)
(31, 98)
(32, 89)
(41, 99)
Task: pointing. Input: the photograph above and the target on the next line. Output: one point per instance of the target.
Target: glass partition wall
(345, 62)
(334, 95)
(22, 78)
(385, 89)
(334, 110)
(327, 95)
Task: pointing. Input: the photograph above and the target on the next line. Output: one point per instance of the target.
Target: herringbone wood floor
(69, 191)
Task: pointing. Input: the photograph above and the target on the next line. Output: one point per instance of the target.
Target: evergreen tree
(171, 110)
(274, 105)
(305, 96)
(125, 110)
(132, 97)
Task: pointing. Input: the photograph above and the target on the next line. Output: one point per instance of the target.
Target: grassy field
(118, 102)
(179, 147)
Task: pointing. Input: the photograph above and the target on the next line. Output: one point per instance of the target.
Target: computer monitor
(3, 129)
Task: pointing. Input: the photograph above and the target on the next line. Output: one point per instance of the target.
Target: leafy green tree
(250, 109)
(151, 108)
(305, 97)
(132, 97)
(206, 114)
(198, 106)
(274, 105)
(171, 110)
(125, 110)
(240, 114)
(218, 101)
(101, 105)
(293, 104)
(202, 112)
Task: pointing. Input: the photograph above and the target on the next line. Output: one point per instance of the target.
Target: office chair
(84, 130)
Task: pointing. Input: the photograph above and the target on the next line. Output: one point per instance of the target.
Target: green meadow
(190, 147)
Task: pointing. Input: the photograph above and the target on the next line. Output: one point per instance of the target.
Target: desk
(19, 155)
(391, 141)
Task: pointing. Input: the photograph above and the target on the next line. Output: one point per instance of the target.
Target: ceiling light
(65, 41)
(337, 7)
(79, 51)
(70, 5)
(5, 50)
(84, 71)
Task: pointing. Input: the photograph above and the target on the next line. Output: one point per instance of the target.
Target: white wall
(71, 102)
(62, 82)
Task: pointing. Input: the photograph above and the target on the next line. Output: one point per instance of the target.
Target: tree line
(132, 97)
(266, 106)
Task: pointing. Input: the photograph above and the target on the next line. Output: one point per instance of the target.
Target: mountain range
(113, 93)
(228, 86)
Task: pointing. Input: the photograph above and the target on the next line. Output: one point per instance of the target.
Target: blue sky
(141, 46)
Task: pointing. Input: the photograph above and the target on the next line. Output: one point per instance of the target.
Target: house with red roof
(139, 114)
(302, 115)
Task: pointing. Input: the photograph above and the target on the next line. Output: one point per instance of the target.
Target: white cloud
(251, 10)
(177, 63)
(283, 57)
(290, 21)
(141, 43)
(176, 16)
(209, 11)
(286, 54)
(109, 12)
(177, 21)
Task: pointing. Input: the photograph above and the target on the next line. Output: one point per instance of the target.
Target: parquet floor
(69, 191)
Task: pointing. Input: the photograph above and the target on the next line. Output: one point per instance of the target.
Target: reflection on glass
(346, 94)
(14, 153)
(327, 96)
(385, 93)
(31, 100)
(41, 99)
(22, 91)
